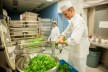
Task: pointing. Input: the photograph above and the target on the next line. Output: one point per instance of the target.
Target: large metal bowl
(23, 62)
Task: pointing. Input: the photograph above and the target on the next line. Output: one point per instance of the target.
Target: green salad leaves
(63, 68)
(41, 63)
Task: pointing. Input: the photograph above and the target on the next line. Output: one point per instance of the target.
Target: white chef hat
(66, 5)
(54, 22)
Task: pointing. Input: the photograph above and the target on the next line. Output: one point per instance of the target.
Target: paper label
(103, 24)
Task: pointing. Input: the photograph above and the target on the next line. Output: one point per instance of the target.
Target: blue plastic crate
(71, 68)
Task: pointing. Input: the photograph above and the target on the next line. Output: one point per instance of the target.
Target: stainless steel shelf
(22, 38)
(22, 21)
(23, 31)
(23, 35)
(24, 24)
(23, 28)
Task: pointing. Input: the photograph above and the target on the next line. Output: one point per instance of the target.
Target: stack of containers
(29, 16)
(26, 28)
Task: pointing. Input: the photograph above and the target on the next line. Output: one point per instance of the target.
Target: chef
(55, 33)
(78, 41)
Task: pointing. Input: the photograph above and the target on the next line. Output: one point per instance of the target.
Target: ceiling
(26, 5)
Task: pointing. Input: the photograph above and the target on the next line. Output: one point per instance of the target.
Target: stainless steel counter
(100, 44)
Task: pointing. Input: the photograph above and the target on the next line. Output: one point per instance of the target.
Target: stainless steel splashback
(101, 14)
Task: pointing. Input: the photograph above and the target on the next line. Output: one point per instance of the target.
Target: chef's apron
(78, 55)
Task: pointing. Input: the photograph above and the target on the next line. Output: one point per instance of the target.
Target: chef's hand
(62, 42)
(59, 39)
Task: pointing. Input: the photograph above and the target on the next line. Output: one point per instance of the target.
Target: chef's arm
(63, 34)
(76, 35)
(67, 30)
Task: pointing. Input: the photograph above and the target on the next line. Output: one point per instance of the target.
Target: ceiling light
(49, 0)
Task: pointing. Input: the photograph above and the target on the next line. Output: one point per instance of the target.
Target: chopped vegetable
(41, 63)
(33, 43)
(63, 68)
(34, 40)
(56, 45)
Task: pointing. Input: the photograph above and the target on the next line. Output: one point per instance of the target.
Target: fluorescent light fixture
(49, 0)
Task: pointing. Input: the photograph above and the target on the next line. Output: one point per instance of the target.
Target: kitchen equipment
(7, 55)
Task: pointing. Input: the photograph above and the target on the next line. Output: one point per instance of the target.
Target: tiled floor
(98, 69)
(64, 55)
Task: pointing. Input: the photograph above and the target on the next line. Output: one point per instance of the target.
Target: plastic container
(29, 16)
(93, 57)
(71, 68)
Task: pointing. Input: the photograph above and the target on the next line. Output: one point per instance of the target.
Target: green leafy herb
(41, 63)
(33, 43)
(63, 68)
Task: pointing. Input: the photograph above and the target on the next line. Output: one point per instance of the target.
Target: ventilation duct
(41, 5)
(15, 2)
(15, 5)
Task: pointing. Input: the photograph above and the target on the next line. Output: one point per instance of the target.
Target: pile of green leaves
(63, 68)
(34, 40)
(33, 43)
(41, 63)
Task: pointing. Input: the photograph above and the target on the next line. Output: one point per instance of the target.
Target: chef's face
(68, 13)
(53, 24)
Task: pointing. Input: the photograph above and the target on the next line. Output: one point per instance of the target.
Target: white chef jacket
(55, 33)
(79, 36)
